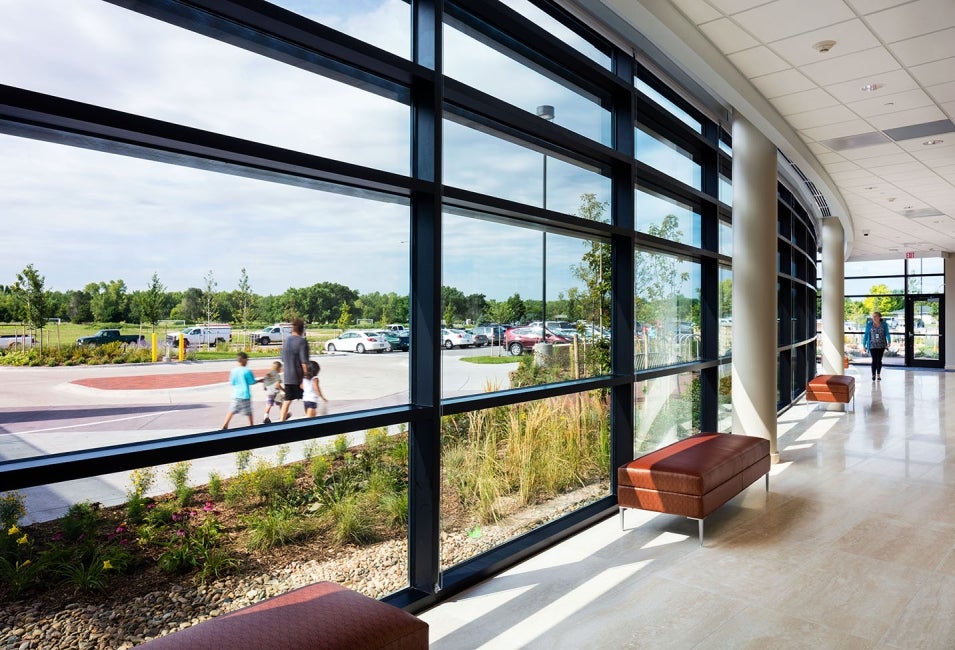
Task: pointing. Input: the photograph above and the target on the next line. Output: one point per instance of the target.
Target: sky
(82, 216)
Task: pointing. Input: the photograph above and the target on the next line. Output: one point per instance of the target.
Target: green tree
(344, 316)
(882, 300)
(32, 298)
(151, 303)
(190, 306)
(453, 304)
(594, 269)
(516, 310)
(109, 302)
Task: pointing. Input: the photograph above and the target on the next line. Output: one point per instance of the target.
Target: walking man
(294, 364)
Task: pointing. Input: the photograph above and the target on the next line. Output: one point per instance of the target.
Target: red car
(519, 339)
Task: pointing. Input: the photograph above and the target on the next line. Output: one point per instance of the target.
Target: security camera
(865, 233)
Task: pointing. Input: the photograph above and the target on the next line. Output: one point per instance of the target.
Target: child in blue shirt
(241, 378)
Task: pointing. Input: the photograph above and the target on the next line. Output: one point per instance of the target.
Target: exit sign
(909, 255)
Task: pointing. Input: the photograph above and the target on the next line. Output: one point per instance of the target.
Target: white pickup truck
(274, 334)
(202, 335)
(11, 341)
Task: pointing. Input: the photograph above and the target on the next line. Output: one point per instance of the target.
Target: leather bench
(831, 388)
(322, 616)
(694, 476)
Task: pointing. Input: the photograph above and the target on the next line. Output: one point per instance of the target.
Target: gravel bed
(375, 570)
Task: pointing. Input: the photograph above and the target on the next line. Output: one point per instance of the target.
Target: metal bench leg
(700, 521)
(767, 481)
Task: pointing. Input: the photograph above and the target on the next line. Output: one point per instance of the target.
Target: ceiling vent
(920, 130)
(920, 213)
(856, 141)
(810, 186)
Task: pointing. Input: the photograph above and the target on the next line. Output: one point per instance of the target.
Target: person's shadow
(875, 408)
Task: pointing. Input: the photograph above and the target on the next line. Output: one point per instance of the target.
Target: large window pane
(668, 218)
(921, 265)
(176, 75)
(927, 284)
(666, 409)
(877, 268)
(672, 108)
(875, 286)
(493, 275)
(669, 158)
(337, 501)
(120, 222)
(383, 23)
(667, 309)
(558, 29)
(506, 76)
(726, 239)
(724, 416)
(725, 343)
(510, 469)
(479, 161)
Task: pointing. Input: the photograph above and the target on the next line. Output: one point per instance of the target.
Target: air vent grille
(813, 190)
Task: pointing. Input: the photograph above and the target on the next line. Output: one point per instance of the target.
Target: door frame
(910, 359)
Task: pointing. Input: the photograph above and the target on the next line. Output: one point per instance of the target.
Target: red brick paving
(153, 382)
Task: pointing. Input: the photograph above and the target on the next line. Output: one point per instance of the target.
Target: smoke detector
(823, 46)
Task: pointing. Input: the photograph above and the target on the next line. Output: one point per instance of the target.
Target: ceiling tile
(891, 159)
(943, 92)
(895, 81)
(913, 19)
(829, 158)
(696, 10)
(843, 166)
(936, 72)
(907, 118)
(817, 148)
(783, 18)
(949, 108)
(758, 61)
(922, 49)
(807, 100)
(728, 36)
(735, 6)
(871, 6)
(871, 62)
(881, 104)
(842, 129)
(782, 83)
(850, 36)
(821, 117)
(874, 151)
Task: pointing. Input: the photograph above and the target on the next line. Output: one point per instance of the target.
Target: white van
(202, 335)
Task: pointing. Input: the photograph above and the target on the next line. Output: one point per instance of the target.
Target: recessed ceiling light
(823, 46)
(870, 87)
(933, 141)
(889, 104)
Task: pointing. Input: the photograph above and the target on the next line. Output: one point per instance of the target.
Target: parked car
(519, 339)
(494, 333)
(398, 340)
(454, 338)
(202, 335)
(359, 341)
(480, 340)
(103, 337)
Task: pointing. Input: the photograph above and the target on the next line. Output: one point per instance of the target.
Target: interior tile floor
(852, 547)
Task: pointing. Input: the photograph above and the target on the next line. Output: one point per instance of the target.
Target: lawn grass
(488, 359)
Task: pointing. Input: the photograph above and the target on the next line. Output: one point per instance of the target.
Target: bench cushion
(831, 388)
(322, 616)
(694, 465)
(694, 476)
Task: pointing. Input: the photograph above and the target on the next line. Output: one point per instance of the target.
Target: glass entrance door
(923, 331)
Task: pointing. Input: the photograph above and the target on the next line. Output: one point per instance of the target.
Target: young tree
(151, 302)
(246, 300)
(210, 304)
(344, 317)
(594, 269)
(32, 298)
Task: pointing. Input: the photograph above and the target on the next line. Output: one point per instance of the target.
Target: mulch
(155, 382)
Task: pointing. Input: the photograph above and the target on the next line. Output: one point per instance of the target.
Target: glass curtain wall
(247, 167)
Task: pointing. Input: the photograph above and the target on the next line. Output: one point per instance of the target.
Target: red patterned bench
(832, 388)
(322, 616)
(694, 476)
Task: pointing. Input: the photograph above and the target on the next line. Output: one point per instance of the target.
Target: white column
(833, 299)
(948, 340)
(754, 284)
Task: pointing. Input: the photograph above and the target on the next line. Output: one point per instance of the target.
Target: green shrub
(214, 486)
(12, 508)
(276, 527)
(351, 522)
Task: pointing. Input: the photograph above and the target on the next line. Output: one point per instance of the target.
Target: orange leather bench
(831, 388)
(322, 616)
(694, 476)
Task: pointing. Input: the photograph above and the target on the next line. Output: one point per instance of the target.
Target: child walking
(240, 378)
(311, 391)
(272, 382)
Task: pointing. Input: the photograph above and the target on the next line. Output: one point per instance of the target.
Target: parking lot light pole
(544, 112)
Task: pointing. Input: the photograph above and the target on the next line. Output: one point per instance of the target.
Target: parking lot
(53, 410)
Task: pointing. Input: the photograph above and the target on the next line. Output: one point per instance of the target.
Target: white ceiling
(897, 188)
